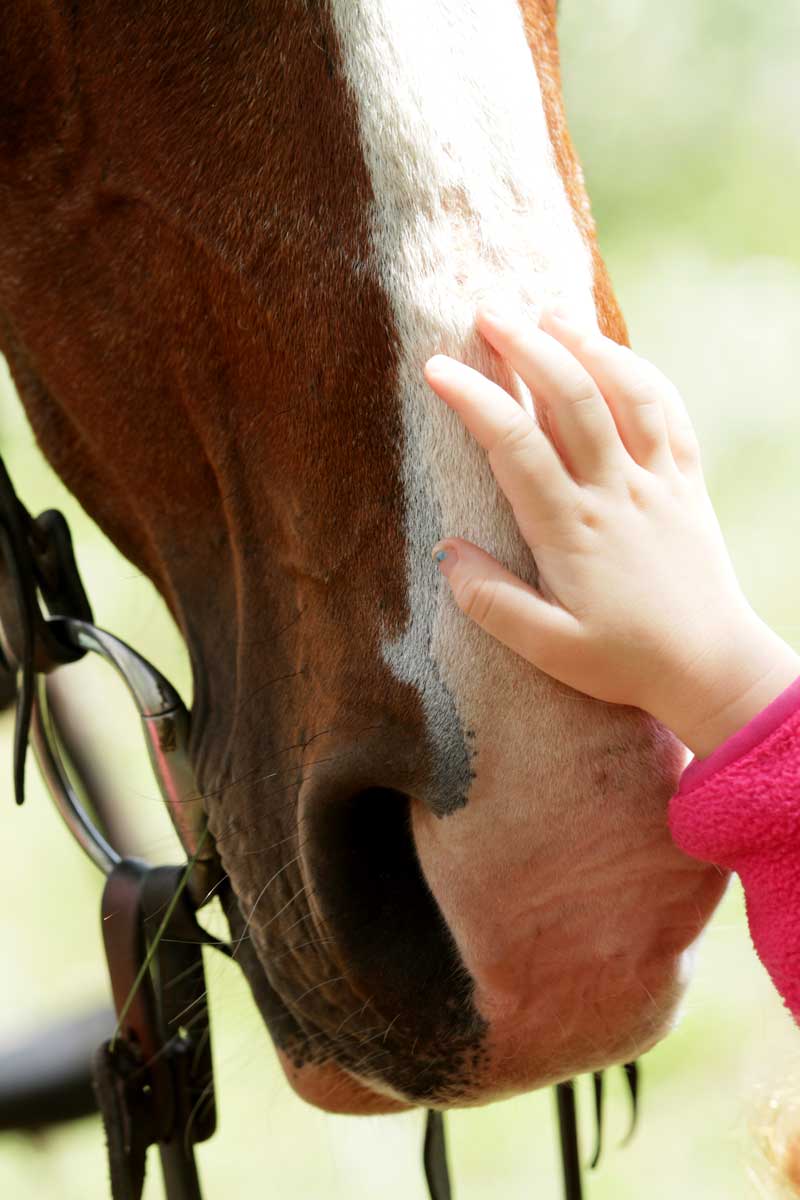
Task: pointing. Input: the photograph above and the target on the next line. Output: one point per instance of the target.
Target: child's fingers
(585, 429)
(648, 409)
(523, 458)
(508, 609)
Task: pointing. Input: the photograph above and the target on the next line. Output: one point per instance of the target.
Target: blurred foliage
(684, 116)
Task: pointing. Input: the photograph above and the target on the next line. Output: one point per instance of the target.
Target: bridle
(153, 1079)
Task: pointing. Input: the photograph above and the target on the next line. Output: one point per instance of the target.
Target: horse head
(231, 237)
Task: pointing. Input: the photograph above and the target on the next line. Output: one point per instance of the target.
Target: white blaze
(468, 203)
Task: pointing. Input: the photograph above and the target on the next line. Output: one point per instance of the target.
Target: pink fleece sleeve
(740, 808)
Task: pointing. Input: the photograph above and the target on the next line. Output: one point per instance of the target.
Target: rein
(153, 1079)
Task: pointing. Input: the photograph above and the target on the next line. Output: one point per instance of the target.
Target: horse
(230, 237)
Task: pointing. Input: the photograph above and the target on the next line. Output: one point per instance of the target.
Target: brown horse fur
(193, 314)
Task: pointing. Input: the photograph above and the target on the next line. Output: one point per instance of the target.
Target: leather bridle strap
(154, 1077)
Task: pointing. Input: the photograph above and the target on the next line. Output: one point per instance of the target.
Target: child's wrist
(723, 697)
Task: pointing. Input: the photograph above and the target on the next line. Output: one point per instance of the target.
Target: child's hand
(639, 601)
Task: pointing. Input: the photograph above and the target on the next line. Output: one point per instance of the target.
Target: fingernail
(445, 556)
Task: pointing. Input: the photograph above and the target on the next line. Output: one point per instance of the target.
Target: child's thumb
(508, 609)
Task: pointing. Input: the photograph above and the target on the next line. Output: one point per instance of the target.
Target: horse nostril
(414, 1027)
(372, 895)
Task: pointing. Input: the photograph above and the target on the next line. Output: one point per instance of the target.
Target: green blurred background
(685, 116)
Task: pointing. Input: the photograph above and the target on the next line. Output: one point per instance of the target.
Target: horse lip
(334, 1089)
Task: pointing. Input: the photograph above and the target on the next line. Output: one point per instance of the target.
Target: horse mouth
(390, 1013)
